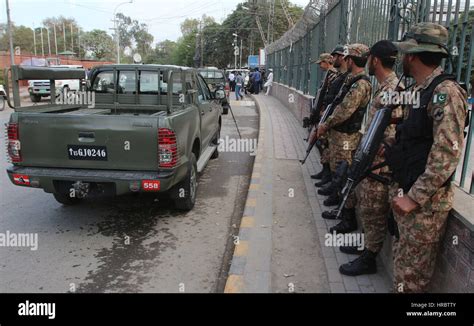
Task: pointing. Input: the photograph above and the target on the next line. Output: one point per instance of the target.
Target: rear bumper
(47, 178)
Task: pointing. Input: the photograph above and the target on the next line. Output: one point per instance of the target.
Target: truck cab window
(205, 93)
(104, 82)
(149, 82)
(127, 82)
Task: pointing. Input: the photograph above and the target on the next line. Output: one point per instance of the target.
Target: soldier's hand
(404, 205)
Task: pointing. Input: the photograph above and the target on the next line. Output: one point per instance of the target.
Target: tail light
(167, 148)
(13, 143)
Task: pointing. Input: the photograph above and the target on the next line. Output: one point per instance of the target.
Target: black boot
(333, 200)
(348, 224)
(324, 181)
(330, 215)
(328, 189)
(365, 264)
(324, 172)
(351, 250)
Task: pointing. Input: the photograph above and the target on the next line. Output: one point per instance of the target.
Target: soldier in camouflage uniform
(330, 184)
(345, 123)
(424, 157)
(372, 196)
(325, 62)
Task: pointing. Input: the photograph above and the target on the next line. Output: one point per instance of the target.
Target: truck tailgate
(89, 141)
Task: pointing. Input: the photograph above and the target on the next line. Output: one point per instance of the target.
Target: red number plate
(151, 185)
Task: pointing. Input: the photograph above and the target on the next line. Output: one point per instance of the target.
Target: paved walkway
(283, 219)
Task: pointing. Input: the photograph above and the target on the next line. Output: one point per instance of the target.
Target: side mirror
(220, 94)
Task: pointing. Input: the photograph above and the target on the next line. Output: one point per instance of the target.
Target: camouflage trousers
(325, 153)
(342, 147)
(413, 265)
(421, 233)
(373, 208)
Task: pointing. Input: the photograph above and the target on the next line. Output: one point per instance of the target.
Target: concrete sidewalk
(281, 245)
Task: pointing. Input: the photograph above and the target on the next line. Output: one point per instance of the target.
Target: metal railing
(326, 24)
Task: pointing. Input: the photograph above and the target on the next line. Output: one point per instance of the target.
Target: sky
(163, 17)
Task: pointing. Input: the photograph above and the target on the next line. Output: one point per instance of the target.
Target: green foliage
(22, 37)
(218, 39)
(162, 53)
(99, 43)
(135, 35)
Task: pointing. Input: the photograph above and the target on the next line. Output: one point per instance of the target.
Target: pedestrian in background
(269, 82)
(239, 84)
(257, 77)
(232, 81)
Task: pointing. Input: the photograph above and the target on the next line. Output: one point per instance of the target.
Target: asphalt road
(128, 244)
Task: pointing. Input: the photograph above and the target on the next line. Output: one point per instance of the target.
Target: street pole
(55, 39)
(72, 39)
(42, 42)
(240, 65)
(34, 38)
(64, 36)
(202, 44)
(10, 34)
(79, 42)
(235, 52)
(49, 42)
(116, 29)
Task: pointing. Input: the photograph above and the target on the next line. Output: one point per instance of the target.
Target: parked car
(215, 78)
(41, 88)
(153, 129)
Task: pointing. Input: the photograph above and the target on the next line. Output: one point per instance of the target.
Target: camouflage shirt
(358, 96)
(388, 85)
(448, 110)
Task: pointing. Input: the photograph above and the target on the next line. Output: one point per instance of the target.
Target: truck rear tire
(66, 200)
(184, 193)
(35, 98)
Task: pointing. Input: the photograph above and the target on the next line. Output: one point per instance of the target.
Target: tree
(134, 34)
(22, 37)
(65, 28)
(100, 44)
(162, 53)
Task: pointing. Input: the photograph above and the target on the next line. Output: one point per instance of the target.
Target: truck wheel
(215, 141)
(225, 110)
(35, 98)
(66, 200)
(185, 192)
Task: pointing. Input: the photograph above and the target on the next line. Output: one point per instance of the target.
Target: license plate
(43, 91)
(87, 153)
(151, 185)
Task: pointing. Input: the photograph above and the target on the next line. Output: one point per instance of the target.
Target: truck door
(207, 112)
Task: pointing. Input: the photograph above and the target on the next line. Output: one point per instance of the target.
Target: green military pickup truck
(151, 128)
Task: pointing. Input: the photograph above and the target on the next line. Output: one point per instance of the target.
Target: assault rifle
(362, 162)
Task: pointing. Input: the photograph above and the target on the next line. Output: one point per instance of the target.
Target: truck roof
(164, 67)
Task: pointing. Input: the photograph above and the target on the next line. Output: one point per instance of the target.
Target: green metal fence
(368, 21)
